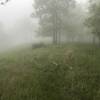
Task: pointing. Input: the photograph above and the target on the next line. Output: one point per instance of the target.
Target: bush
(38, 45)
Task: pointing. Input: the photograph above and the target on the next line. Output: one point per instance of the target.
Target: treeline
(59, 19)
(65, 19)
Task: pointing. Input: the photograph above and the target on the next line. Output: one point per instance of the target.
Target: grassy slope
(54, 73)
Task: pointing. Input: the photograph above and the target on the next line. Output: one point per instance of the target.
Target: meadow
(65, 72)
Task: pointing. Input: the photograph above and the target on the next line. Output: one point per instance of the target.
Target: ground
(66, 72)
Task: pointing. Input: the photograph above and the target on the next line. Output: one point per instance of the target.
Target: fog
(17, 26)
(49, 49)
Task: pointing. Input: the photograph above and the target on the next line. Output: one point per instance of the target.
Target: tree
(74, 28)
(93, 21)
(51, 15)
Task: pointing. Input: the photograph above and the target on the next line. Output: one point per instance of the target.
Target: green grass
(67, 72)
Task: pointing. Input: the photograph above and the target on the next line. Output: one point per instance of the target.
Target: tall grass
(67, 72)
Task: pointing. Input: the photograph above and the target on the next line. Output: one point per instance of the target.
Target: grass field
(67, 72)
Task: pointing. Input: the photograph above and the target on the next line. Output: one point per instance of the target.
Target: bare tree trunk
(56, 24)
(56, 27)
(54, 30)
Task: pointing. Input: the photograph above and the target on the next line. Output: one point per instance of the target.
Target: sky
(18, 26)
(81, 1)
(14, 10)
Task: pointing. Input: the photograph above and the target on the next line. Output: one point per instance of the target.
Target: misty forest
(49, 49)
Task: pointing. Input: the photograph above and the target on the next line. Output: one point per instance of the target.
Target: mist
(18, 27)
(49, 49)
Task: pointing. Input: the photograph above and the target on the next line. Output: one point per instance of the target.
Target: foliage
(38, 45)
(94, 19)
